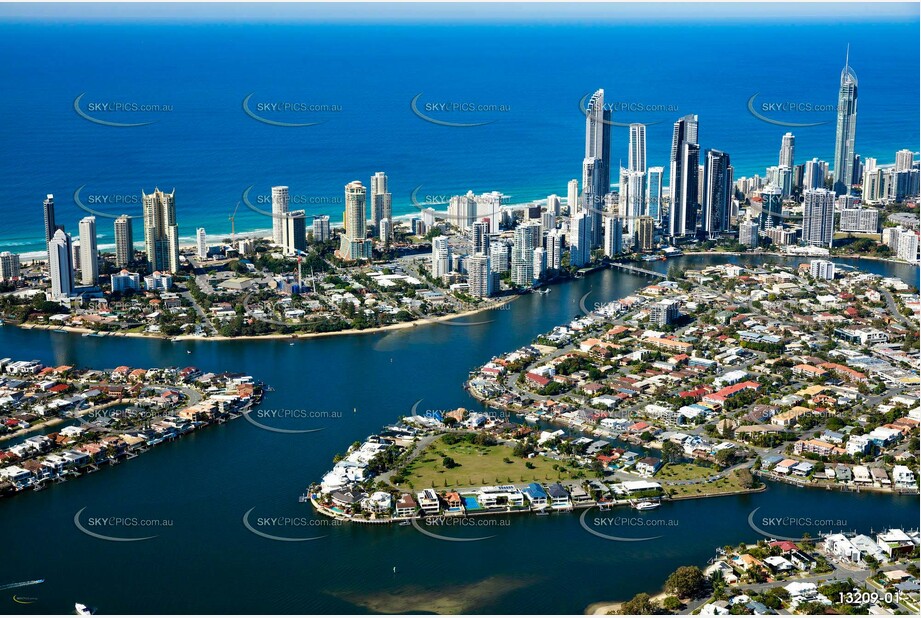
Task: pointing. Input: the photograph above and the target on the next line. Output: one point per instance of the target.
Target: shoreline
(493, 305)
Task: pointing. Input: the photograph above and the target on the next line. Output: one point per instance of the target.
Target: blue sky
(385, 12)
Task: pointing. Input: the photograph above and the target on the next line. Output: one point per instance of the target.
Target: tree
(640, 605)
(686, 582)
(671, 603)
(671, 452)
(448, 462)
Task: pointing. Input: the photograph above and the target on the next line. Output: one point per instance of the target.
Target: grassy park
(467, 464)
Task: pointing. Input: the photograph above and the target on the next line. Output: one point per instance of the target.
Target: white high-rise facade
(161, 233)
(787, 144)
(321, 231)
(614, 236)
(554, 249)
(353, 244)
(89, 252)
(480, 276)
(818, 217)
(526, 240)
(462, 211)
(201, 243)
(636, 156)
(814, 174)
(124, 241)
(572, 196)
(280, 199)
(441, 257)
(60, 265)
(381, 200)
(553, 204)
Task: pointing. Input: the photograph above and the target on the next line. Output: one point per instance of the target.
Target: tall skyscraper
(381, 199)
(441, 257)
(385, 231)
(89, 252)
(771, 207)
(845, 130)
(201, 243)
(280, 199)
(654, 193)
(321, 231)
(818, 217)
(553, 204)
(294, 236)
(9, 266)
(352, 244)
(124, 241)
(613, 236)
(645, 228)
(717, 197)
(596, 166)
(904, 159)
(683, 179)
(480, 276)
(580, 238)
(526, 240)
(572, 196)
(161, 233)
(554, 249)
(480, 237)
(60, 265)
(814, 174)
(787, 144)
(462, 211)
(636, 156)
(48, 208)
(632, 197)
(748, 232)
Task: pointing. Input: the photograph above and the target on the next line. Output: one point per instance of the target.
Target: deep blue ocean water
(209, 150)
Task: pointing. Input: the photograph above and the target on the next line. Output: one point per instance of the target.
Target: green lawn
(722, 485)
(480, 465)
(684, 472)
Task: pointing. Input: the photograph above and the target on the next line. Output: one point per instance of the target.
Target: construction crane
(233, 234)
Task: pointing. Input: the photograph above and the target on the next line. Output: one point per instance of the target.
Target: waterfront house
(379, 502)
(428, 501)
(536, 496)
(880, 477)
(346, 499)
(453, 501)
(778, 564)
(559, 497)
(903, 477)
(579, 495)
(862, 475)
(746, 561)
(406, 506)
(841, 547)
(895, 543)
(648, 466)
(784, 466)
(501, 496)
(802, 468)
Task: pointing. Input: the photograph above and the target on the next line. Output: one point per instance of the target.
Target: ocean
(359, 81)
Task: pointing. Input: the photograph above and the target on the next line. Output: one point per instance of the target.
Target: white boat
(532, 418)
(83, 610)
(646, 505)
